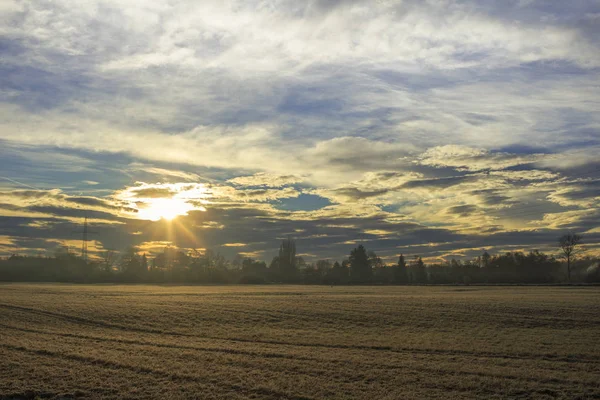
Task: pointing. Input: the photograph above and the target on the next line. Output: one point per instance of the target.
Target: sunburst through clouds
(165, 202)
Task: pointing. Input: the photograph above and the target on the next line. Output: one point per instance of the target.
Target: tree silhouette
(253, 271)
(360, 267)
(132, 264)
(338, 274)
(420, 272)
(568, 244)
(287, 261)
(400, 272)
(485, 259)
(108, 260)
(374, 260)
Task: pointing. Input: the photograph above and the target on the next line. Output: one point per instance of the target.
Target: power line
(84, 239)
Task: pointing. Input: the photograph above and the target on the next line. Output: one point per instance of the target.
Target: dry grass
(294, 342)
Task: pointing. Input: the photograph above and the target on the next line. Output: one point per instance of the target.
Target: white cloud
(163, 172)
(572, 158)
(264, 179)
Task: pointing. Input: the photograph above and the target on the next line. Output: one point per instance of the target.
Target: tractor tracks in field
(87, 321)
(489, 388)
(296, 357)
(399, 350)
(353, 375)
(158, 373)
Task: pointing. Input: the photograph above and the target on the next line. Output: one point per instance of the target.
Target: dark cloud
(72, 212)
(153, 192)
(10, 207)
(439, 183)
(479, 119)
(92, 201)
(463, 210)
(35, 194)
(581, 189)
(63, 201)
(492, 197)
(357, 194)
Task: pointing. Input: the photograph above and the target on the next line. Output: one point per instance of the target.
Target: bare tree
(108, 260)
(568, 244)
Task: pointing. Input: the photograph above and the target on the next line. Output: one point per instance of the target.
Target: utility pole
(84, 239)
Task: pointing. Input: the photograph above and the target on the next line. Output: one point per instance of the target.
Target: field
(298, 342)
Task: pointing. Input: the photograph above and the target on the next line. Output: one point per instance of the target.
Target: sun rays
(167, 209)
(166, 201)
(160, 204)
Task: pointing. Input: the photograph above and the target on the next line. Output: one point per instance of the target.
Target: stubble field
(298, 342)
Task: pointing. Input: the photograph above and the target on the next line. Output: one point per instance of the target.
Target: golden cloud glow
(165, 200)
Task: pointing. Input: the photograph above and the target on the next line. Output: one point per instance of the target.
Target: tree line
(360, 267)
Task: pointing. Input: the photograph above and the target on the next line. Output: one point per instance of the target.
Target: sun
(164, 201)
(166, 208)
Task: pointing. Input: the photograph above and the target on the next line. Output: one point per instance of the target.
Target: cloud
(351, 194)
(38, 200)
(586, 157)
(153, 192)
(438, 126)
(164, 173)
(526, 175)
(463, 210)
(584, 193)
(207, 35)
(473, 159)
(440, 183)
(264, 179)
(327, 231)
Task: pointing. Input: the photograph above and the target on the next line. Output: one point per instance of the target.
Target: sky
(437, 128)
